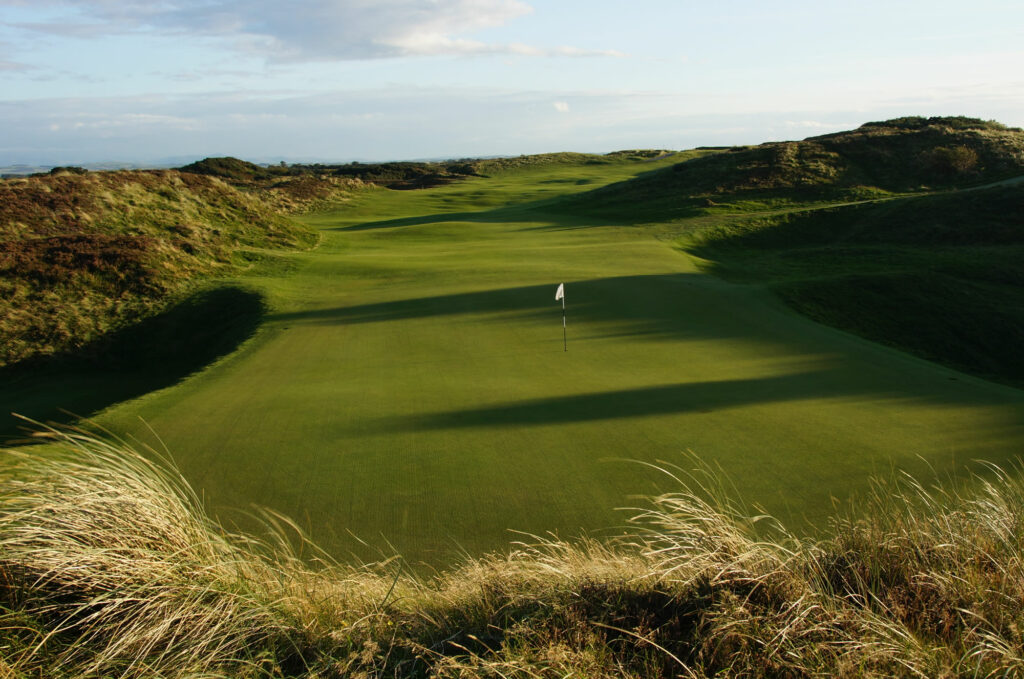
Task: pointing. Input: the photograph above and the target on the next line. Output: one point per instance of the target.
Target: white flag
(560, 292)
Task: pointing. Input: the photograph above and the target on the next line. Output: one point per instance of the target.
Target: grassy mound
(233, 169)
(82, 254)
(109, 567)
(906, 154)
(288, 188)
(937, 275)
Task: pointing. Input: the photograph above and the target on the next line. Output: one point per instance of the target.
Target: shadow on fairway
(482, 216)
(691, 397)
(152, 354)
(565, 211)
(543, 210)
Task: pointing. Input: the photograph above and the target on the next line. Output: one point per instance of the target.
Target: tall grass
(109, 566)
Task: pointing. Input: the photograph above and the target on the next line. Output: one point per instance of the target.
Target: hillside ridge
(874, 160)
(85, 253)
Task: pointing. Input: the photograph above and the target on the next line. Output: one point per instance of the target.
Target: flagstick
(565, 346)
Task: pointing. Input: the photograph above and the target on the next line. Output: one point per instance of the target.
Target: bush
(947, 162)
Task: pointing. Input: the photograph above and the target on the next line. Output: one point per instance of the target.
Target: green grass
(154, 353)
(408, 385)
(938, 275)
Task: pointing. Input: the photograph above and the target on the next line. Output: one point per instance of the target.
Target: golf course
(511, 339)
(404, 385)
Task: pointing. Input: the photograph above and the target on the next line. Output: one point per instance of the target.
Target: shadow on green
(650, 303)
(152, 354)
(938, 276)
(497, 216)
(650, 307)
(688, 397)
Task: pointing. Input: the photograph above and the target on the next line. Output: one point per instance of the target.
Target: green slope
(408, 382)
(938, 275)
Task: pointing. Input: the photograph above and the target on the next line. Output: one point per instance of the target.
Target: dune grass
(109, 567)
(85, 254)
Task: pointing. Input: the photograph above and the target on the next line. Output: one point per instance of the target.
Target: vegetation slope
(82, 254)
(874, 160)
(938, 275)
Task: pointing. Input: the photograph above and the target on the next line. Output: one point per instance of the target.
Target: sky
(168, 81)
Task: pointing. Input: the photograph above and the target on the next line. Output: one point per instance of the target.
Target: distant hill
(232, 168)
(397, 175)
(401, 175)
(901, 155)
(83, 253)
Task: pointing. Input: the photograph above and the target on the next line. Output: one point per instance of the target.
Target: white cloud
(308, 30)
(562, 106)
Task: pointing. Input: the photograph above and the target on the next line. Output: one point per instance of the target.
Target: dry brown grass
(109, 567)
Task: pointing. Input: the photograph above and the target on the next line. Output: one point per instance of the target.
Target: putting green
(409, 384)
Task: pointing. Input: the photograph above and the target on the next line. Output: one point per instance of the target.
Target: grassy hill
(82, 254)
(876, 159)
(290, 189)
(938, 275)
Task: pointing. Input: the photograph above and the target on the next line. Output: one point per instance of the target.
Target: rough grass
(84, 254)
(874, 160)
(109, 567)
(291, 189)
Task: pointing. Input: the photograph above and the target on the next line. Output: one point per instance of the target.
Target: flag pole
(560, 295)
(565, 346)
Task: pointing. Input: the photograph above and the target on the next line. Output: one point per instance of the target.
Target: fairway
(408, 384)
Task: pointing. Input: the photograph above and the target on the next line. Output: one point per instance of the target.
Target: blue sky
(335, 80)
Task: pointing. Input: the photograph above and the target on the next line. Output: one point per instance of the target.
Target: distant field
(408, 383)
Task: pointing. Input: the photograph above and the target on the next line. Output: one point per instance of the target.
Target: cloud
(13, 66)
(308, 30)
(562, 106)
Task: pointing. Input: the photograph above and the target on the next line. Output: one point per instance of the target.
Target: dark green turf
(938, 275)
